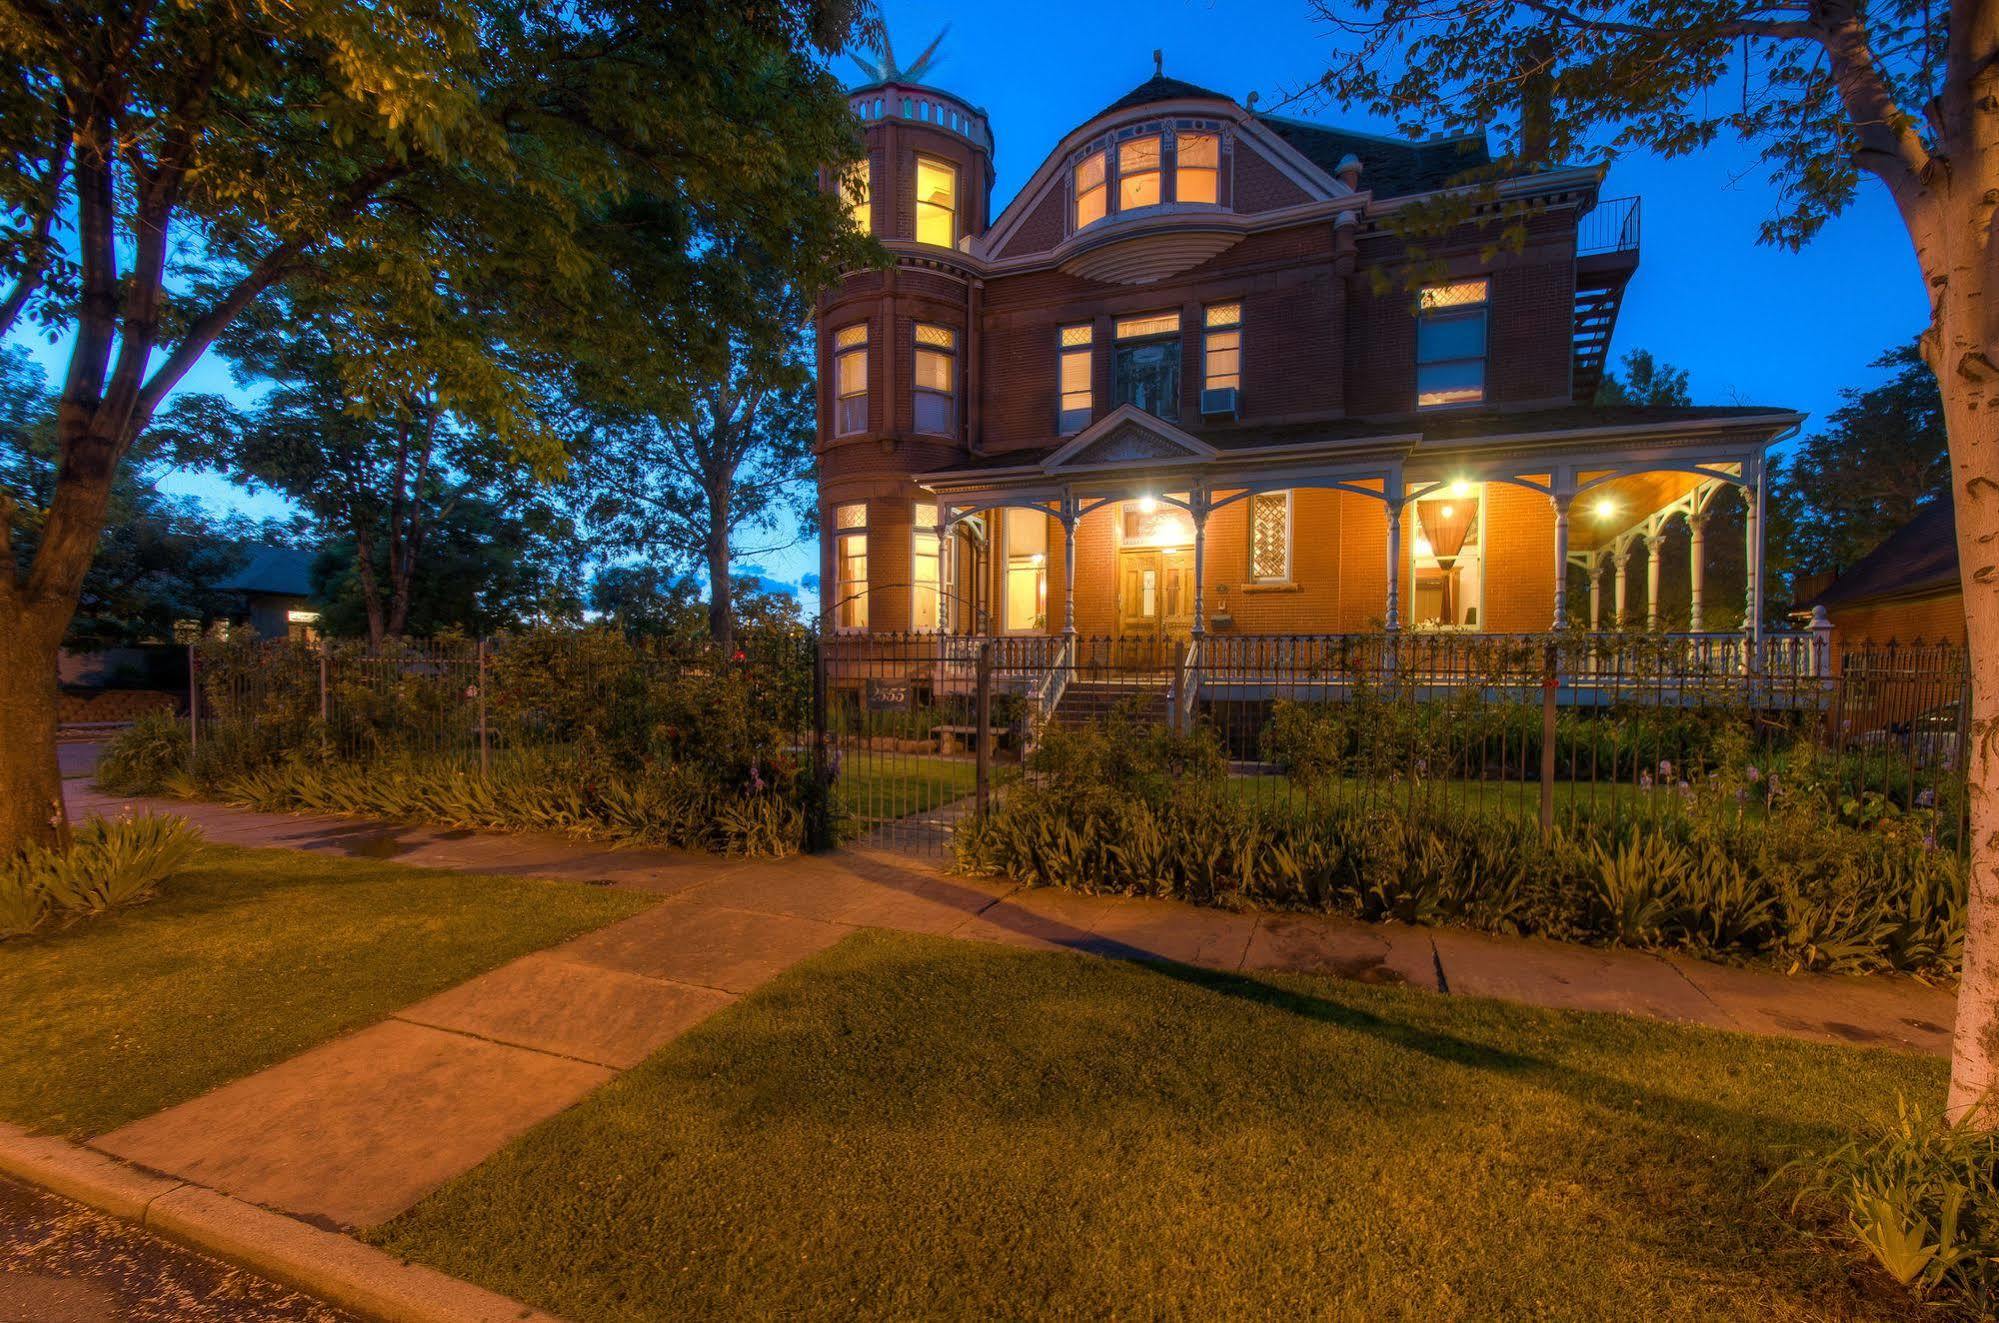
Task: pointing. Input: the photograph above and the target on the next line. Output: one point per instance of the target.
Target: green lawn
(904, 1126)
(250, 957)
(882, 786)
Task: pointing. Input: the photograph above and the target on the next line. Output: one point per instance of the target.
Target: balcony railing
(1610, 227)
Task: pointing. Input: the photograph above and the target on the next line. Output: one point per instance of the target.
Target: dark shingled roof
(1917, 559)
(1159, 88)
(283, 571)
(1389, 167)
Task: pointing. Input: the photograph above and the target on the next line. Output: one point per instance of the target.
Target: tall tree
(1645, 381)
(729, 456)
(450, 172)
(1904, 91)
(1881, 454)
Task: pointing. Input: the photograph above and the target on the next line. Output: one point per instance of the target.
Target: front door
(1156, 592)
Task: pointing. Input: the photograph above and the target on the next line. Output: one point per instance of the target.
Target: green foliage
(1645, 381)
(145, 756)
(109, 865)
(1104, 810)
(1920, 1197)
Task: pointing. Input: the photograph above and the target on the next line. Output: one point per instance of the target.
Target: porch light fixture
(1460, 489)
(1039, 558)
(1148, 505)
(1605, 508)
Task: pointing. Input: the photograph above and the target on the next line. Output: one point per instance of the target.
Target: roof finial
(1158, 63)
(884, 69)
(1252, 100)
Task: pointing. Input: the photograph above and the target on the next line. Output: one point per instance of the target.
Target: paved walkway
(357, 1130)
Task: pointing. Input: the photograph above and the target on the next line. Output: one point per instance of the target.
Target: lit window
(926, 582)
(1146, 364)
(1090, 193)
(936, 386)
(1075, 384)
(1222, 348)
(860, 196)
(936, 202)
(850, 379)
(1270, 537)
(1197, 173)
(1026, 605)
(850, 566)
(1450, 344)
(1138, 173)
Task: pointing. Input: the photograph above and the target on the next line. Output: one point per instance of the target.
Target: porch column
(1200, 513)
(1621, 558)
(1752, 533)
(1069, 573)
(1392, 615)
(1655, 547)
(1597, 562)
(1696, 566)
(1560, 500)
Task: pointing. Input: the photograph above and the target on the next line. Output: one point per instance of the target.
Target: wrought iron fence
(894, 739)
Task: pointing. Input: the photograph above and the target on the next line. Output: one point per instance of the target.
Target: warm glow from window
(1165, 323)
(1138, 173)
(936, 202)
(1026, 605)
(850, 566)
(926, 594)
(1197, 174)
(1270, 537)
(860, 194)
(1222, 347)
(1075, 385)
(1450, 344)
(850, 379)
(1090, 193)
(936, 385)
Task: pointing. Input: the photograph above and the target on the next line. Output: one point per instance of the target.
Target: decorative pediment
(1128, 435)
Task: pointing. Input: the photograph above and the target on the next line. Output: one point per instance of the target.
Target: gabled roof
(1389, 167)
(282, 571)
(1160, 88)
(1917, 560)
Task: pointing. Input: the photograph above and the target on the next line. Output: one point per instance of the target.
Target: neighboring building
(1178, 386)
(275, 586)
(1904, 591)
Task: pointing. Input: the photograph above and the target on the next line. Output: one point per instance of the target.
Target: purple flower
(1645, 780)
(1666, 768)
(1755, 774)
(756, 778)
(1926, 798)
(1929, 840)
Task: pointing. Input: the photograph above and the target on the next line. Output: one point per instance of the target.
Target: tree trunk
(721, 592)
(1973, 423)
(31, 806)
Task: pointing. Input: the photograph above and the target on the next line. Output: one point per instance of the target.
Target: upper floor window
(1092, 196)
(1146, 364)
(850, 566)
(858, 190)
(1197, 171)
(1450, 343)
(1222, 348)
(936, 202)
(1138, 172)
(936, 385)
(850, 379)
(1075, 382)
(1270, 537)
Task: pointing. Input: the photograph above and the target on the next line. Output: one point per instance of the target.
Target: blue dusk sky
(1750, 324)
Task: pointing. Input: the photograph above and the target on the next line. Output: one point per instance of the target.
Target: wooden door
(1141, 594)
(1176, 612)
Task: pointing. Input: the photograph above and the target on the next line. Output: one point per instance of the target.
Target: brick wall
(1519, 533)
(1259, 185)
(1932, 620)
(1043, 227)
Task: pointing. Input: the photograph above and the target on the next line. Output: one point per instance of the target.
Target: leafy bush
(1121, 810)
(1920, 1197)
(109, 865)
(145, 756)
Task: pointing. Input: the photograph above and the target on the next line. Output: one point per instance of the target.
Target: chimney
(1348, 171)
(1535, 75)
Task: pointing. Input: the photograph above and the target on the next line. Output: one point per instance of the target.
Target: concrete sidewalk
(356, 1131)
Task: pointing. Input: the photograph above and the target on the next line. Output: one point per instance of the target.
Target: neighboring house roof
(1389, 167)
(1919, 559)
(1452, 425)
(280, 571)
(1159, 88)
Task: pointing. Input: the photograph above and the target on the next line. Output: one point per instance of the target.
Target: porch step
(1084, 701)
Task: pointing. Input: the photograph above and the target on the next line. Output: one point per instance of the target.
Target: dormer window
(936, 202)
(1138, 173)
(1198, 169)
(1092, 195)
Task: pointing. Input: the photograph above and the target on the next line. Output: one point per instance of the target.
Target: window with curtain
(935, 389)
(926, 583)
(1075, 371)
(1146, 364)
(1197, 168)
(1270, 537)
(1026, 605)
(850, 379)
(1091, 194)
(850, 566)
(1450, 343)
(1138, 172)
(1221, 356)
(936, 202)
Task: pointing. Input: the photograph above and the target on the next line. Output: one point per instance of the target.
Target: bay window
(1138, 172)
(1450, 343)
(926, 584)
(850, 379)
(1092, 198)
(936, 202)
(935, 388)
(1197, 169)
(850, 566)
(858, 190)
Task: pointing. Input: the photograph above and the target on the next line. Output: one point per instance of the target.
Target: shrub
(109, 865)
(145, 756)
(1920, 1197)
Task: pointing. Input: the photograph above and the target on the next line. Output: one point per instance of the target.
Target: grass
(879, 786)
(247, 958)
(904, 1126)
(1516, 796)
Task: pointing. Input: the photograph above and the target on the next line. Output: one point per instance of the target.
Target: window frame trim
(1290, 495)
(841, 597)
(1456, 312)
(918, 204)
(917, 348)
(865, 352)
(1088, 353)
